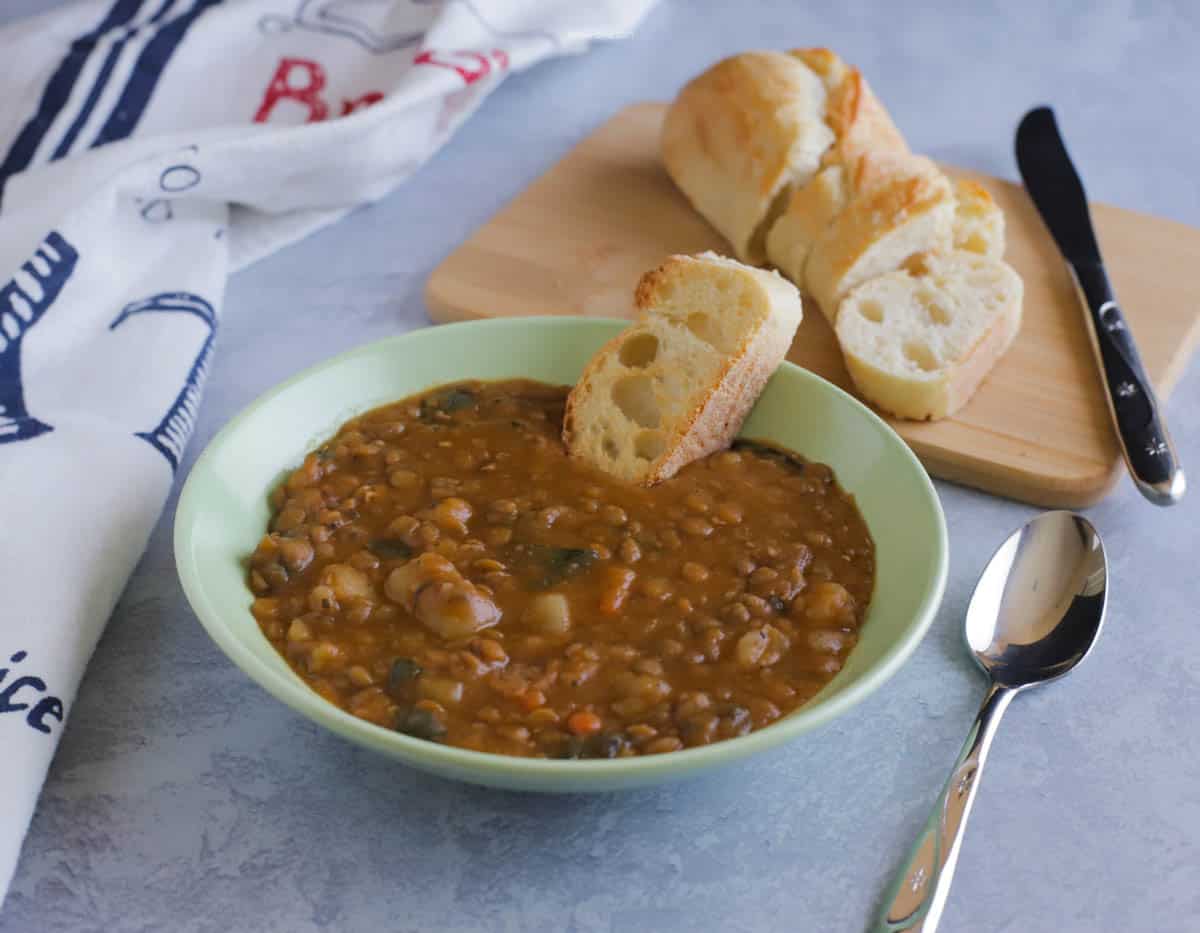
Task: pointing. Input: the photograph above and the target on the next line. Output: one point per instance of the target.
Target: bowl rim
(293, 692)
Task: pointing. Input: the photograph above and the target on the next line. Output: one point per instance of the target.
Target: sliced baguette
(861, 127)
(739, 136)
(978, 221)
(812, 209)
(679, 382)
(903, 205)
(859, 121)
(809, 213)
(918, 341)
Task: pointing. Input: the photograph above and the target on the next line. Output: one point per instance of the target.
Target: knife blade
(1059, 196)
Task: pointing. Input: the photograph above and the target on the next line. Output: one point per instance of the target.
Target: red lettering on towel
(471, 66)
(298, 79)
(358, 103)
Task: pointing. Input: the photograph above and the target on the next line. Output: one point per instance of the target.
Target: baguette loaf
(679, 382)
(859, 222)
(919, 340)
(739, 136)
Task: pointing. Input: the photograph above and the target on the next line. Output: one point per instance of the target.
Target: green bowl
(223, 511)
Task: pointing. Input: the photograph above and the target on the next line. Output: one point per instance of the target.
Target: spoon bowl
(1039, 605)
(1035, 614)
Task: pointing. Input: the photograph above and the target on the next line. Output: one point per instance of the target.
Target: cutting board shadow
(577, 239)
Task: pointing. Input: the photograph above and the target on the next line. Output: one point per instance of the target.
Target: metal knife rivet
(1110, 316)
(918, 879)
(1156, 448)
(1126, 389)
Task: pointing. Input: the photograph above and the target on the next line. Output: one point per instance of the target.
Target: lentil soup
(442, 568)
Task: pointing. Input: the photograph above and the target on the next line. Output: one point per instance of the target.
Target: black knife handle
(1145, 443)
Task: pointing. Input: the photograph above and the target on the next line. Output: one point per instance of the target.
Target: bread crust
(739, 135)
(858, 119)
(904, 206)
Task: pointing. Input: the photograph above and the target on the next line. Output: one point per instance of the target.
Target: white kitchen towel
(151, 147)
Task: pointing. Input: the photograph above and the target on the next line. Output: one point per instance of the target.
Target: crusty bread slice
(739, 136)
(902, 205)
(812, 209)
(918, 341)
(679, 382)
(978, 221)
(809, 213)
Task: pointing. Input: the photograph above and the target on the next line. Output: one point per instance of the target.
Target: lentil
(442, 568)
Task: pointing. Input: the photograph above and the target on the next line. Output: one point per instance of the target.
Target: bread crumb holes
(920, 355)
(638, 351)
(937, 314)
(872, 311)
(649, 445)
(703, 327)
(633, 394)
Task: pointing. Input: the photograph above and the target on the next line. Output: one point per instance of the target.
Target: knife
(1054, 185)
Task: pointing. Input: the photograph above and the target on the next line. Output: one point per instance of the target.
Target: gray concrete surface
(183, 798)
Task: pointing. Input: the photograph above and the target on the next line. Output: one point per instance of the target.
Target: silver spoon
(1035, 614)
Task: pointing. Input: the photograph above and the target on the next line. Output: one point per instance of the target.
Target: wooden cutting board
(576, 241)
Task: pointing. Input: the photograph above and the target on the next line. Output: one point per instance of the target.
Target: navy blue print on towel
(171, 434)
(59, 87)
(174, 179)
(18, 694)
(101, 82)
(119, 30)
(147, 70)
(23, 301)
(158, 211)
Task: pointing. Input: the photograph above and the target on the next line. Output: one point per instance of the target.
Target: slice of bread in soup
(679, 382)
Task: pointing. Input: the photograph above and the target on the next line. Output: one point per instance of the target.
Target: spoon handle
(919, 893)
